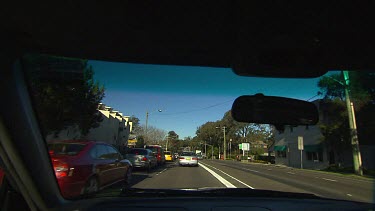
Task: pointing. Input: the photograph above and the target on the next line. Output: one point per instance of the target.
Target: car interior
(280, 39)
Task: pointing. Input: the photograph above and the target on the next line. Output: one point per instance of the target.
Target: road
(233, 174)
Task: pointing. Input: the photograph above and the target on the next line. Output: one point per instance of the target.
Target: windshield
(65, 148)
(138, 152)
(153, 149)
(187, 110)
(188, 154)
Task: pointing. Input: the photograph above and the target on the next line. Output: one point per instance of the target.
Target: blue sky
(187, 96)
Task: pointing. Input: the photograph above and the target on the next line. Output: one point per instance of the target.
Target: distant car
(85, 167)
(142, 158)
(158, 152)
(168, 156)
(176, 155)
(188, 159)
(200, 157)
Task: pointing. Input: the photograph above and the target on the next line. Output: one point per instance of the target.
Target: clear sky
(187, 96)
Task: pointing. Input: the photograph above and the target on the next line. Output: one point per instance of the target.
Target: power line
(198, 109)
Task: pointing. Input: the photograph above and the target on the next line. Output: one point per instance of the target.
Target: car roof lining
(261, 38)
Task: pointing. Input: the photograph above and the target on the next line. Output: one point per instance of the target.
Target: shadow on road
(138, 176)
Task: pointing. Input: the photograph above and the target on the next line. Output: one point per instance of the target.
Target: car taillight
(181, 158)
(144, 159)
(61, 168)
(194, 158)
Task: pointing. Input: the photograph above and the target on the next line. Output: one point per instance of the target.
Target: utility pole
(357, 160)
(225, 146)
(205, 149)
(146, 138)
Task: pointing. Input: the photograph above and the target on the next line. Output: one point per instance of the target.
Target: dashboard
(213, 204)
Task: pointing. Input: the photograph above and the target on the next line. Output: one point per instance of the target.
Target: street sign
(245, 146)
(300, 142)
(240, 146)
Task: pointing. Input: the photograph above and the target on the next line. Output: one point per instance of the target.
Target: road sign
(300, 142)
(245, 146)
(240, 146)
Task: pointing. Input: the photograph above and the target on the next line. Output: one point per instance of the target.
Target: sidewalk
(365, 177)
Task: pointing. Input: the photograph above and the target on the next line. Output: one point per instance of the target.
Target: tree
(135, 122)
(64, 93)
(335, 125)
(237, 131)
(154, 135)
(140, 142)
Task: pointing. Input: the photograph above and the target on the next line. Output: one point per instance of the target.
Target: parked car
(168, 156)
(84, 167)
(142, 158)
(188, 159)
(158, 152)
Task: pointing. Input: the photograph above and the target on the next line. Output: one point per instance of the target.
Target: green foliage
(140, 142)
(64, 92)
(335, 127)
(136, 127)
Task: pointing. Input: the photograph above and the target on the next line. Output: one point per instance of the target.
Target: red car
(84, 167)
(158, 152)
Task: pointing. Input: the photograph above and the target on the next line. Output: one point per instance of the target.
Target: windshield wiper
(214, 192)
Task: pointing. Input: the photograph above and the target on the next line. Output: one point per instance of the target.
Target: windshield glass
(187, 110)
(138, 152)
(188, 154)
(65, 148)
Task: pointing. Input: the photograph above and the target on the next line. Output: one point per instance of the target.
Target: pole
(166, 146)
(301, 159)
(212, 152)
(205, 149)
(353, 128)
(146, 139)
(230, 149)
(219, 151)
(224, 144)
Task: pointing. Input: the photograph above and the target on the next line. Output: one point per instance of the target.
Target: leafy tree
(64, 93)
(140, 142)
(154, 135)
(362, 94)
(135, 122)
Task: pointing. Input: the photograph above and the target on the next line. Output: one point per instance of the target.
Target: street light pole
(146, 141)
(205, 149)
(357, 161)
(159, 110)
(225, 146)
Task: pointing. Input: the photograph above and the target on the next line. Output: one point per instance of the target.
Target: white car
(188, 159)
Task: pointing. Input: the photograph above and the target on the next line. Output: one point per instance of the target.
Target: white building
(114, 129)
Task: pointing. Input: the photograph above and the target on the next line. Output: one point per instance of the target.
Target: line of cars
(84, 167)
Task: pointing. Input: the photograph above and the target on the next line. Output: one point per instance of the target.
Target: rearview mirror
(278, 111)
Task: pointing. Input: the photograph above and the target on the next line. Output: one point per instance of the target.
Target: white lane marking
(332, 180)
(250, 170)
(290, 172)
(269, 169)
(218, 177)
(232, 177)
(160, 172)
(348, 194)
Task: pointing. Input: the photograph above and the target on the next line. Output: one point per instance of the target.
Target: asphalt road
(234, 174)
